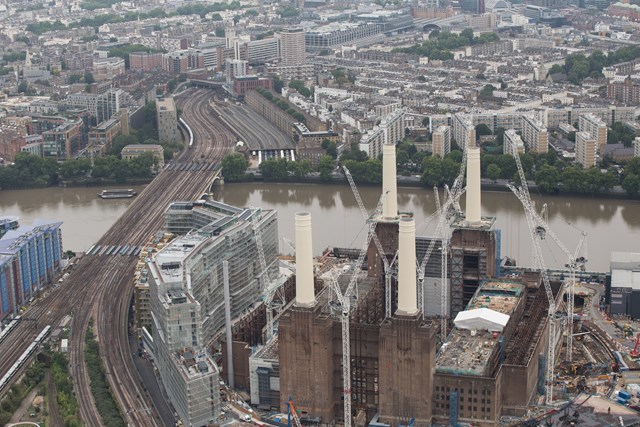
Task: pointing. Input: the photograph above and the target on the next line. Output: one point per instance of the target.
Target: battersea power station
(381, 337)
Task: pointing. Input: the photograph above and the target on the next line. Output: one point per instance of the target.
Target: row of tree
(550, 173)
(578, 67)
(33, 171)
(107, 407)
(281, 104)
(440, 44)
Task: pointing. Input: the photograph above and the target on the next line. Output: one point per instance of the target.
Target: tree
(234, 167)
(487, 91)
(574, 179)
(278, 84)
(422, 79)
(431, 172)
(75, 168)
(274, 169)
(300, 87)
(547, 179)
(23, 87)
(482, 130)
(300, 168)
(631, 184)
(74, 78)
(220, 32)
(325, 167)
(88, 77)
(493, 172)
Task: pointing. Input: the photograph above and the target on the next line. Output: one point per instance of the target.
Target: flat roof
(466, 351)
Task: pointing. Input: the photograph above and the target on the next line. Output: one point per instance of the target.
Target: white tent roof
(481, 318)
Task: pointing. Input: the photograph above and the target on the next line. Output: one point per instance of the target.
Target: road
(101, 286)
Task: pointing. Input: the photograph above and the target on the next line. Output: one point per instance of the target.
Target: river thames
(611, 224)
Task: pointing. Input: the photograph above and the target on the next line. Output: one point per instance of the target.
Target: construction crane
(539, 230)
(634, 352)
(292, 414)
(444, 213)
(270, 289)
(387, 265)
(344, 299)
(574, 262)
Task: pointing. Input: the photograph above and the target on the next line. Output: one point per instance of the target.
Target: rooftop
(193, 364)
(469, 351)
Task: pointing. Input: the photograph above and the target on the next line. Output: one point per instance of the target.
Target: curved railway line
(101, 286)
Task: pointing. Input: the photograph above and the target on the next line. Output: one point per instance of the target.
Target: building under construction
(490, 364)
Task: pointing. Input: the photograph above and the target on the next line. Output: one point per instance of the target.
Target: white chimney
(473, 185)
(407, 290)
(305, 295)
(389, 183)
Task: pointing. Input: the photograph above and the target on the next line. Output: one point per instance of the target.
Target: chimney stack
(407, 289)
(305, 295)
(389, 183)
(473, 214)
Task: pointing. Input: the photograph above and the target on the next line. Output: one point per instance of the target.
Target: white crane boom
(376, 240)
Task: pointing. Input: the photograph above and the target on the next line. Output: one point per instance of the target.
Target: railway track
(101, 286)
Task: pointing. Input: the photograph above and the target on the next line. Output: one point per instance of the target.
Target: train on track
(15, 368)
(9, 328)
(189, 131)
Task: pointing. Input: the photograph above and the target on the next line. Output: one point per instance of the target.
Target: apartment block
(107, 68)
(585, 149)
(389, 131)
(512, 142)
(29, 259)
(292, 46)
(596, 128)
(464, 131)
(63, 141)
(102, 136)
(534, 135)
(167, 120)
(145, 61)
(441, 141)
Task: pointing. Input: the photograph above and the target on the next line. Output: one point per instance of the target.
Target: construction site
(427, 330)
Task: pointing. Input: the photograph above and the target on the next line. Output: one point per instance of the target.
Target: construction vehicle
(292, 414)
(634, 352)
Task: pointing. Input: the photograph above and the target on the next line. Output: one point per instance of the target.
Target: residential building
(389, 131)
(235, 68)
(464, 131)
(167, 116)
(179, 61)
(29, 259)
(99, 105)
(512, 142)
(265, 50)
(101, 137)
(595, 127)
(585, 149)
(534, 135)
(441, 141)
(12, 139)
(292, 46)
(244, 84)
(145, 61)
(132, 151)
(64, 141)
(626, 91)
(107, 68)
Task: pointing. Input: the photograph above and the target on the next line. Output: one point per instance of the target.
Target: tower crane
(387, 266)
(270, 289)
(344, 299)
(574, 261)
(539, 229)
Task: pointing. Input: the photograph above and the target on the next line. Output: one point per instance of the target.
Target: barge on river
(117, 194)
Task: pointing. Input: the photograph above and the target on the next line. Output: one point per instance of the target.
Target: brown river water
(611, 224)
